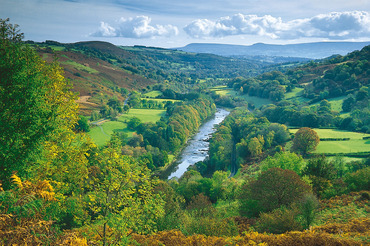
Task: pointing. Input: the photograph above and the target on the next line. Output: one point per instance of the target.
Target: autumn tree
(272, 189)
(305, 140)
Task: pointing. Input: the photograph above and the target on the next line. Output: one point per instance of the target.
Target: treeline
(272, 85)
(170, 134)
(239, 137)
(317, 116)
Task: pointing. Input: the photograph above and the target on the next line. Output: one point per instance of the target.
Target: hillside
(99, 70)
(305, 50)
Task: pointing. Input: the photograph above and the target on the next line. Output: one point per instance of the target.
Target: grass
(80, 67)
(153, 94)
(354, 145)
(336, 103)
(224, 91)
(101, 134)
(145, 115)
(161, 100)
(296, 92)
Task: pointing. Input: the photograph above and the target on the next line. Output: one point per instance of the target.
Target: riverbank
(196, 149)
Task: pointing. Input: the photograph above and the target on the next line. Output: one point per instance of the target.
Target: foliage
(358, 180)
(305, 140)
(279, 221)
(272, 189)
(120, 194)
(308, 208)
(320, 172)
(10, 32)
(284, 160)
(242, 137)
(35, 105)
(307, 238)
(82, 124)
(342, 209)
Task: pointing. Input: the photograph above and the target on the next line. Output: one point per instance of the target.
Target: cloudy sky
(175, 23)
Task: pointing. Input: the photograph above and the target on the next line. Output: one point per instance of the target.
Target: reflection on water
(197, 149)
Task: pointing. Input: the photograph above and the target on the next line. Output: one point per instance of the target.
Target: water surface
(197, 148)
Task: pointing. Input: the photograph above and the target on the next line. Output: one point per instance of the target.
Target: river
(197, 148)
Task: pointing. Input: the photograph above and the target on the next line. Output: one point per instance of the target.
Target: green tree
(307, 207)
(82, 124)
(36, 105)
(284, 160)
(120, 195)
(305, 140)
(320, 172)
(10, 32)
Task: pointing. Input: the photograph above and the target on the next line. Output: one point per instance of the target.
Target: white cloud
(105, 30)
(136, 27)
(335, 25)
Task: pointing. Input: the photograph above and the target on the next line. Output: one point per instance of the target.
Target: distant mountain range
(317, 50)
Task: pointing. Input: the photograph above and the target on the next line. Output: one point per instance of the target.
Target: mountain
(304, 50)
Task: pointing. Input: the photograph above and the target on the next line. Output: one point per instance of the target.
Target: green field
(354, 145)
(296, 92)
(224, 91)
(153, 94)
(336, 103)
(101, 134)
(162, 100)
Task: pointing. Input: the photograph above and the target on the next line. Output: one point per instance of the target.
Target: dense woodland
(260, 185)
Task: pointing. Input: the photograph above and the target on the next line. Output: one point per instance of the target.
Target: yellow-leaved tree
(120, 195)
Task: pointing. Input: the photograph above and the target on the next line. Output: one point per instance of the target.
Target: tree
(36, 104)
(284, 160)
(255, 147)
(133, 123)
(307, 207)
(120, 194)
(305, 140)
(321, 172)
(272, 188)
(10, 32)
(348, 103)
(82, 124)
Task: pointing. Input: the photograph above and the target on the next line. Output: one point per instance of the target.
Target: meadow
(354, 145)
(225, 91)
(102, 133)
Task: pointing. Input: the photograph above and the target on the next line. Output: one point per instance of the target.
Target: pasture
(102, 133)
(356, 143)
(225, 91)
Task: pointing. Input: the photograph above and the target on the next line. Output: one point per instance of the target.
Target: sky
(176, 23)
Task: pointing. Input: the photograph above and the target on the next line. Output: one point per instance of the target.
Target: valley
(134, 145)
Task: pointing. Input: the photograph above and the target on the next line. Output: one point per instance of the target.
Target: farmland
(102, 133)
(356, 143)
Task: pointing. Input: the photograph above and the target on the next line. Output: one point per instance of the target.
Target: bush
(279, 221)
(359, 180)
